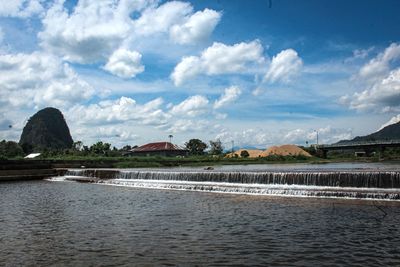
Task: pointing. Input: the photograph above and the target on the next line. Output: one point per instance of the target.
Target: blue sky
(256, 72)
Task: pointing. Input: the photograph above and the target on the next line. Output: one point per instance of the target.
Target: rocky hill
(46, 129)
(390, 132)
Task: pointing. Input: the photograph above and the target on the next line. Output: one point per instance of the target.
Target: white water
(260, 189)
(362, 182)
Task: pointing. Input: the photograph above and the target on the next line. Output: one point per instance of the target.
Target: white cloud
(250, 137)
(230, 95)
(197, 28)
(192, 106)
(326, 135)
(284, 67)
(124, 63)
(263, 138)
(91, 32)
(97, 28)
(359, 54)
(20, 8)
(120, 110)
(219, 59)
(379, 83)
(383, 96)
(160, 19)
(38, 79)
(393, 120)
(380, 65)
(185, 125)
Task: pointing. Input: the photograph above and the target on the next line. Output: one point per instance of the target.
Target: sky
(259, 73)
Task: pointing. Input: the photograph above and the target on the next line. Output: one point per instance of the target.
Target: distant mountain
(46, 129)
(389, 132)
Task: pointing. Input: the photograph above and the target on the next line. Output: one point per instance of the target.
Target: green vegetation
(216, 147)
(10, 149)
(196, 147)
(244, 154)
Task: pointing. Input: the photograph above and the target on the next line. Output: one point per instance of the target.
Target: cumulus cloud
(249, 137)
(124, 63)
(326, 135)
(380, 65)
(186, 125)
(383, 96)
(20, 8)
(284, 66)
(263, 138)
(90, 32)
(160, 19)
(95, 29)
(39, 79)
(379, 81)
(230, 95)
(197, 28)
(192, 106)
(218, 59)
(120, 110)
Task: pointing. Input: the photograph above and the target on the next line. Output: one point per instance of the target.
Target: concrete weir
(383, 185)
(25, 170)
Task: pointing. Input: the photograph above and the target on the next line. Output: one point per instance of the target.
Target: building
(165, 149)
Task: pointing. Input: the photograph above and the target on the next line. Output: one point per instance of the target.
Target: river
(46, 223)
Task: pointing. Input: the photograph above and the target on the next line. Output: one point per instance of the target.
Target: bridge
(366, 147)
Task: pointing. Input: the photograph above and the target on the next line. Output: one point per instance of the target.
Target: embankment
(19, 170)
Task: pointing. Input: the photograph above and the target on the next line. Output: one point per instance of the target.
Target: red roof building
(165, 149)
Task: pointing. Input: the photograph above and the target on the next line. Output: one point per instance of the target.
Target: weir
(343, 184)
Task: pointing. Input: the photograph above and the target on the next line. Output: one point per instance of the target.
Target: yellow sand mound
(253, 153)
(285, 150)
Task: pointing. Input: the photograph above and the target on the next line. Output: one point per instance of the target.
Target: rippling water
(65, 223)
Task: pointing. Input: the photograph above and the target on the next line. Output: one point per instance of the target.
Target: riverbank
(18, 170)
(143, 162)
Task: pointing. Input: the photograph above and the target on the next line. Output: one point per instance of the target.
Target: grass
(68, 161)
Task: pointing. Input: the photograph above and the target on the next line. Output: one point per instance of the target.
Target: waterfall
(362, 179)
(343, 184)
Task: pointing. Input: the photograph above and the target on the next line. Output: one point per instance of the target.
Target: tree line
(11, 149)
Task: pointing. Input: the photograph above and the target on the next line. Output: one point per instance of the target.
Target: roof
(32, 155)
(159, 146)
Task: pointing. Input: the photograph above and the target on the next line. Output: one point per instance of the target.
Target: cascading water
(348, 184)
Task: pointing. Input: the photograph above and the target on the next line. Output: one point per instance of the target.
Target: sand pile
(285, 150)
(253, 153)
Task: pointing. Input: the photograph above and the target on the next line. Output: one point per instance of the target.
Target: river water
(44, 223)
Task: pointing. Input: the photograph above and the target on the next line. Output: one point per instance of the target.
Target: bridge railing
(368, 143)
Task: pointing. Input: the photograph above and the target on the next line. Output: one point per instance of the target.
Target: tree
(196, 146)
(244, 154)
(77, 146)
(10, 149)
(100, 148)
(126, 148)
(216, 147)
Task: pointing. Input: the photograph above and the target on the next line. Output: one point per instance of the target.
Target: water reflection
(45, 223)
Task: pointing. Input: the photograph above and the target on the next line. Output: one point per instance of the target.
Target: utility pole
(317, 136)
(233, 144)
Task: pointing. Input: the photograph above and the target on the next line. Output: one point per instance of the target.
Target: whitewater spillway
(383, 185)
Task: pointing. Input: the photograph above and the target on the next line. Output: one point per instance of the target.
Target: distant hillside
(46, 129)
(390, 132)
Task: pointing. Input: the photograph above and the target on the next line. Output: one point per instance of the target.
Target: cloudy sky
(256, 72)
